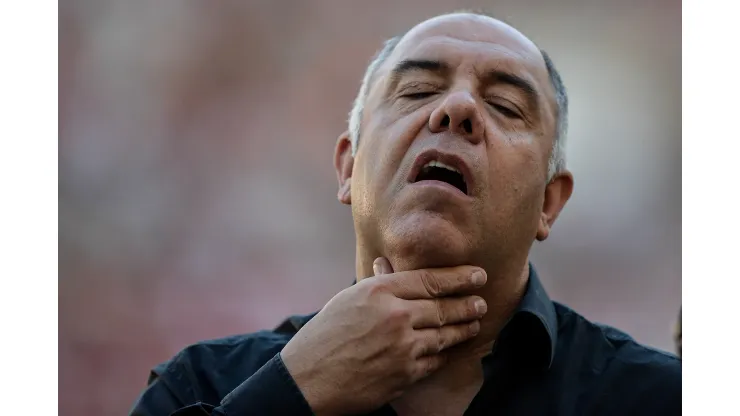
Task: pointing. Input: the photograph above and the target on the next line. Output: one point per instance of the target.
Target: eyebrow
(411, 65)
(427, 65)
(496, 76)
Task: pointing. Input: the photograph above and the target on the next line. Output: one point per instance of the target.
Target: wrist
(309, 383)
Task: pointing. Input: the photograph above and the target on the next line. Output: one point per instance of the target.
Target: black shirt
(548, 360)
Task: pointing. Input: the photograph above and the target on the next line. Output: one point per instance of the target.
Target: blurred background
(197, 193)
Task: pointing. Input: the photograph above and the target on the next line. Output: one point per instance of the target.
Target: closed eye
(418, 95)
(506, 111)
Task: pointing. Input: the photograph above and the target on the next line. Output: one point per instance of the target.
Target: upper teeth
(438, 164)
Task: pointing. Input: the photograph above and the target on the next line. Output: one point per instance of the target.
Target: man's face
(456, 135)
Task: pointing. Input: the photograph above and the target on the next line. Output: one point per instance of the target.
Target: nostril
(467, 125)
(445, 121)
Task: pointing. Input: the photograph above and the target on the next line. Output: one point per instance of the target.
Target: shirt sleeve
(271, 390)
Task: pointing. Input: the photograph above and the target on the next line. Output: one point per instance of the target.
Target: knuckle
(430, 282)
(366, 295)
(439, 342)
(462, 309)
(416, 370)
(462, 280)
(399, 314)
(376, 286)
(418, 348)
(441, 312)
(460, 334)
(455, 336)
(410, 347)
(432, 364)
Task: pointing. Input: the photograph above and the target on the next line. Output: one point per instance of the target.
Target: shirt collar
(531, 333)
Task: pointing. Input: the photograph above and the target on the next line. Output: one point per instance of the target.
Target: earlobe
(344, 195)
(557, 194)
(343, 163)
(543, 228)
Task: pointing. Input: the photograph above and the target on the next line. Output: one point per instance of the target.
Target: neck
(504, 289)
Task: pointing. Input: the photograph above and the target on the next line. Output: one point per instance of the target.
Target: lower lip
(439, 185)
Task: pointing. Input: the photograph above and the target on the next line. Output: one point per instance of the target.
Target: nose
(459, 114)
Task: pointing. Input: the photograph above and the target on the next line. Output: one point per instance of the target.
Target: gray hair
(556, 164)
(355, 115)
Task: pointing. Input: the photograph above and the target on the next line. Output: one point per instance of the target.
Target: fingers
(434, 283)
(381, 265)
(440, 319)
(434, 313)
(434, 344)
(433, 341)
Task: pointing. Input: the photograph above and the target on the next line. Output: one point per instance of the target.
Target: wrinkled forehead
(471, 40)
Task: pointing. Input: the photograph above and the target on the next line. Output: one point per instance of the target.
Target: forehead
(471, 40)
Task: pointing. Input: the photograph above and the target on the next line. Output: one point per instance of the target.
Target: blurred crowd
(195, 145)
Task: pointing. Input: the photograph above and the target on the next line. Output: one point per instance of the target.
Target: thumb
(381, 265)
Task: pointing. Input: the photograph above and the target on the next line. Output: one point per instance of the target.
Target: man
(453, 165)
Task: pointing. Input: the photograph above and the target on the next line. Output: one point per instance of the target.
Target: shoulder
(208, 370)
(245, 349)
(657, 369)
(624, 374)
(649, 379)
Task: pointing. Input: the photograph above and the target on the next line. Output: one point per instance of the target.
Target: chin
(426, 240)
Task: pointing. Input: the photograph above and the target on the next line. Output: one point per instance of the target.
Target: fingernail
(474, 327)
(376, 268)
(480, 306)
(478, 278)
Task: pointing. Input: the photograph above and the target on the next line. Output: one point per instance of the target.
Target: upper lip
(448, 159)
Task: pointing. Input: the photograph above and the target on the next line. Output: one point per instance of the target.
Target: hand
(378, 337)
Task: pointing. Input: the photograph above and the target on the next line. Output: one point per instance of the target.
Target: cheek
(520, 157)
(517, 172)
(369, 176)
(398, 127)
(389, 136)
(362, 200)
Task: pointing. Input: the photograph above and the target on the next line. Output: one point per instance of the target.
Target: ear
(343, 163)
(557, 193)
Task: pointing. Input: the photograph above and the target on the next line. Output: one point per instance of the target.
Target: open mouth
(437, 171)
